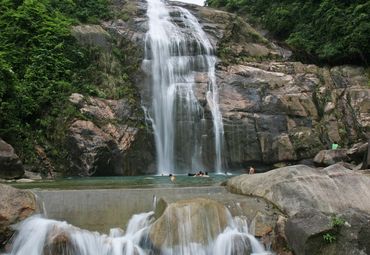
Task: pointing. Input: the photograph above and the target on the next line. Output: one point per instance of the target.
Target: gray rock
(305, 232)
(10, 165)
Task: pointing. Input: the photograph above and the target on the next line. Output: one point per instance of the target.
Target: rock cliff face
(110, 137)
(106, 144)
(286, 111)
(273, 110)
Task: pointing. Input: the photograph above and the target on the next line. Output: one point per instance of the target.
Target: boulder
(208, 219)
(305, 231)
(58, 241)
(330, 157)
(312, 232)
(330, 190)
(10, 165)
(15, 205)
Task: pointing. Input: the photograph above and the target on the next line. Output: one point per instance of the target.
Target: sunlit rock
(15, 205)
(291, 188)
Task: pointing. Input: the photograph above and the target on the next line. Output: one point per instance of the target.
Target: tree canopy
(39, 64)
(322, 31)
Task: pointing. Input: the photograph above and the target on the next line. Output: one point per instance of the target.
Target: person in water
(252, 170)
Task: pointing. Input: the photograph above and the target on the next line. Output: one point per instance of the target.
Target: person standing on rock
(334, 146)
(172, 178)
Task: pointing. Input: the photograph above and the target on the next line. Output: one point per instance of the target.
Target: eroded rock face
(291, 188)
(15, 205)
(92, 151)
(10, 165)
(104, 145)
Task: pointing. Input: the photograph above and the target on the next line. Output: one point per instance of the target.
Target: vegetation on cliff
(327, 31)
(41, 64)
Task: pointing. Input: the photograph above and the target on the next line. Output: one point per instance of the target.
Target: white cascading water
(176, 50)
(40, 236)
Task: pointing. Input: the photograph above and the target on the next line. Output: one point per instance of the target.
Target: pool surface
(123, 182)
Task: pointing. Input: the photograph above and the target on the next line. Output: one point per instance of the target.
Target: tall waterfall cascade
(177, 51)
(40, 236)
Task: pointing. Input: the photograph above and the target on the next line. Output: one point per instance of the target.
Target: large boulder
(15, 205)
(330, 190)
(208, 219)
(10, 165)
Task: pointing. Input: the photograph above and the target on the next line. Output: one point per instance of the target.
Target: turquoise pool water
(123, 182)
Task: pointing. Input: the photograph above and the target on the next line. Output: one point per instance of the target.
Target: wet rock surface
(167, 230)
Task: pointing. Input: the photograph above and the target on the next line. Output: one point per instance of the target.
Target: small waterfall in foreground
(176, 51)
(40, 236)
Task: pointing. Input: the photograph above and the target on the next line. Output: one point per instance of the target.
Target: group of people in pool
(200, 173)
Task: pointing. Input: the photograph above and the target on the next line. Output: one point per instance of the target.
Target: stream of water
(41, 236)
(176, 51)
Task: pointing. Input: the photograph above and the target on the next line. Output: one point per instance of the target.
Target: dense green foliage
(40, 66)
(326, 31)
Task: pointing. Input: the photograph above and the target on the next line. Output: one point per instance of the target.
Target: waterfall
(176, 51)
(40, 236)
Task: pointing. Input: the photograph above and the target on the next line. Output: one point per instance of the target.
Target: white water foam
(176, 49)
